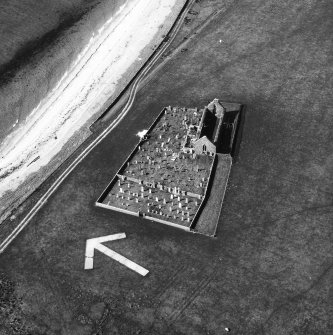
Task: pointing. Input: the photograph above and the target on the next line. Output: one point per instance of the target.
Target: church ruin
(167, 177)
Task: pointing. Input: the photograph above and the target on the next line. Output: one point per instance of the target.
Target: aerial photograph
(166, 167)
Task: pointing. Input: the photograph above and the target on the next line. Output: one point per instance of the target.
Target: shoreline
(39, 170)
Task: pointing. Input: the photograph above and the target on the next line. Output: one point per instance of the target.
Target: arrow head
(92, 243)
(96, 243)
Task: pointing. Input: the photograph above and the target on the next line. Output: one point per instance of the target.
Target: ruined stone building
(205, 138)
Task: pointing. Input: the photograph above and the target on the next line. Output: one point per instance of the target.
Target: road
(269, 270)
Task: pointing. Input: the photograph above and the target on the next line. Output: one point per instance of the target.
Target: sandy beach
(100, 71)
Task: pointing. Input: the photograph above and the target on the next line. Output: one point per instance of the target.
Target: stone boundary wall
(234, 129)
(123, 166)
(118, 209)
(121, 210)
(133, 152)
(169, 223)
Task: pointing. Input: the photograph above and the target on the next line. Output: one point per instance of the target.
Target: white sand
(82, 91)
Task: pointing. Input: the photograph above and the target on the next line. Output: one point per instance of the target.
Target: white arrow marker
(95, 243)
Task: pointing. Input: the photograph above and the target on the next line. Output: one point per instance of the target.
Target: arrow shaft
(121, 259)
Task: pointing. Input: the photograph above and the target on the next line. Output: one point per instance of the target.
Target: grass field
(269, 270)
